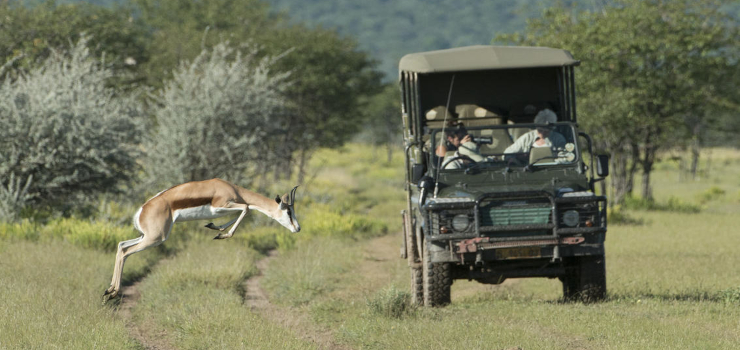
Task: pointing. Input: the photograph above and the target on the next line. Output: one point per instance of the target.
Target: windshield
(504, 145)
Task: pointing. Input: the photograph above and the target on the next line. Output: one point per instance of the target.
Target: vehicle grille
(496, 213)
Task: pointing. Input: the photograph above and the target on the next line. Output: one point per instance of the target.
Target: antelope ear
(277, 199)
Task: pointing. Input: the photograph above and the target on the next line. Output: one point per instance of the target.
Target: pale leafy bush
(65, 134)
(215, 118)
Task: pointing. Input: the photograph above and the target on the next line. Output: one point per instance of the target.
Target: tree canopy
(650, 69)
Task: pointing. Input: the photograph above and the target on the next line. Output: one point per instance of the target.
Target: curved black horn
(292, 195)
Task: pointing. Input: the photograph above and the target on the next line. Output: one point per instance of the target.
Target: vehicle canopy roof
(484, 57)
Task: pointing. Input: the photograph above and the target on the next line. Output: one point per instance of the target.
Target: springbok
(198, 200)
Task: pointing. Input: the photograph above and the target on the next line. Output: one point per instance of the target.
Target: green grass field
(672, 277)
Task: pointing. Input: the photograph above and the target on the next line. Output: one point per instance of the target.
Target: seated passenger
(540, 137)
(463, 142)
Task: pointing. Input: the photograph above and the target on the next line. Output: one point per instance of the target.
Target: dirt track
(255, 299)
(288, 318)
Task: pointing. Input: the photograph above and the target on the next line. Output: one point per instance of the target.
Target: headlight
(570, 218)
(460, 222)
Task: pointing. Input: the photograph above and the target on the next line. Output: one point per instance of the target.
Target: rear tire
(585, 279)
(437, 281)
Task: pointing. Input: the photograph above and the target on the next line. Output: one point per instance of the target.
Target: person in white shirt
(540, 137)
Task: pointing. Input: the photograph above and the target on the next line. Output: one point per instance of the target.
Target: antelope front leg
(222, 227)
(244, 209)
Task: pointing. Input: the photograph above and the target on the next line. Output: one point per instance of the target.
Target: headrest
(438, 113)
(466, 110)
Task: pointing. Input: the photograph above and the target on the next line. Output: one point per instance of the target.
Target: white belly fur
(203, 212)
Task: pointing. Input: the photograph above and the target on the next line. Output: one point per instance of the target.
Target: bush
(83, 233)
(713, 193)
(25, 230)
(673, 204)
(731, 295)
(617, 216)
(323, 221)
(65, 134)
(88, 234)
(214, 118)
(391, 303)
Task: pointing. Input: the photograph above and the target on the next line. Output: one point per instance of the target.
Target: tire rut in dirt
(258, 302)
(130, 296)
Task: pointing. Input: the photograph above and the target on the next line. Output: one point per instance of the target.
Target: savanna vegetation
(101, 107)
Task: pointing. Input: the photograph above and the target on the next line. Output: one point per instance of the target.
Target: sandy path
(145, 336)
(292, 319)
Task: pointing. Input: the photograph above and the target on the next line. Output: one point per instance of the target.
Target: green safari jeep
(499, 180)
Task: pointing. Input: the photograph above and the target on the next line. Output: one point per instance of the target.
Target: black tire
(585, 279)
(437, 281)
(417, 278)
(417, 286)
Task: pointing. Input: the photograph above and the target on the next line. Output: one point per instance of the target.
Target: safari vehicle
(510, 214)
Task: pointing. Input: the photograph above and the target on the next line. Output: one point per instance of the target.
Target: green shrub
(25, 229)
(391, 303)
(713, 193)
(674, 204)
(322, 221)
(617, 216)
(261, 239)
(88, 234)
(731, 295)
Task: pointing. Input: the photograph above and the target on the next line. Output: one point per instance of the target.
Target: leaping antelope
(198, 200)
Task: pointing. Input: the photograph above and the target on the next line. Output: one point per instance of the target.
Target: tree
(332, 83)
(648, 65)
(28, 35)
(66, 135)
(330, 75)
(181, 29)
(215, 118)
(382, 119)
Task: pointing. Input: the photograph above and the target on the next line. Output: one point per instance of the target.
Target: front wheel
(585, 279)
(437, 281)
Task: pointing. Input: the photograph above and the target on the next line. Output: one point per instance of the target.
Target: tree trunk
(619, 178)
(647, 166)
(303, 161)
(695, 151)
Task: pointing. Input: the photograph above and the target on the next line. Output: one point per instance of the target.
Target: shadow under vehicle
(505, 214)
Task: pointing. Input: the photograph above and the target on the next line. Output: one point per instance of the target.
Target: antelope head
(286, 213)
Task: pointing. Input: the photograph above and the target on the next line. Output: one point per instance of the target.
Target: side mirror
(426, 183)
(602, 165)
(417, 171)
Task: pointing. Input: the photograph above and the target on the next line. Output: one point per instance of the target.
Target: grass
(671, 274)
(51, 295)
(195, 301)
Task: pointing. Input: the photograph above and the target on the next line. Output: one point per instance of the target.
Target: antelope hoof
(222, 236)
(109, 294)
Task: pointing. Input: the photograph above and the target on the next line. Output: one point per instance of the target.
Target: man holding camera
(463, 143)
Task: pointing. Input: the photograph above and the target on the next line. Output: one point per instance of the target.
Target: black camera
(483, 140)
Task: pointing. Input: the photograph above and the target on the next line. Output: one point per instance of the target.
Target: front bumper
(551, 239)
